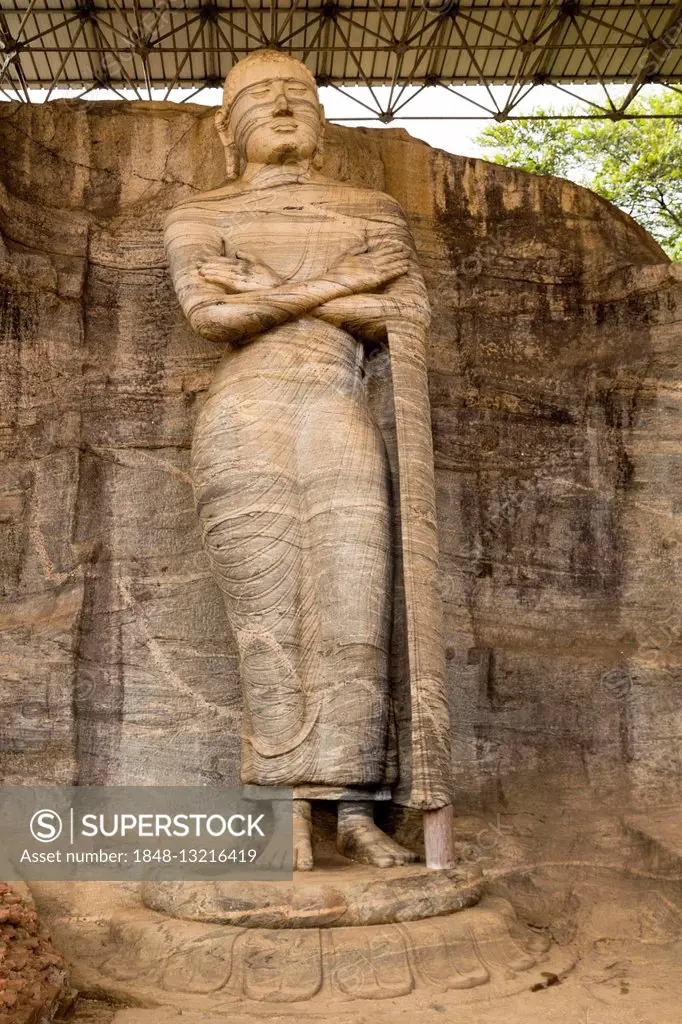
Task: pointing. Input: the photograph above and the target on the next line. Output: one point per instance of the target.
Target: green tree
(635, 164)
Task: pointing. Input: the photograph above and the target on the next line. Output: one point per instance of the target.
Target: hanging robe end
(439, 838)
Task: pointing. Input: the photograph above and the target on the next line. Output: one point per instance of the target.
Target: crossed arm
(233, 298)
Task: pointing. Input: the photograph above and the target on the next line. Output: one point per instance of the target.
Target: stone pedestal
(337, 894)
(130, 953)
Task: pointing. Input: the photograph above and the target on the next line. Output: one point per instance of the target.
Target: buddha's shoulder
(365, 196)
(204, 206)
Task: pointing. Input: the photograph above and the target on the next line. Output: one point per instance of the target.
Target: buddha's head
(271, 113)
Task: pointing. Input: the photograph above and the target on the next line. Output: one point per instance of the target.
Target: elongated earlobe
(318, 158)
(231, 153)
(231, 161)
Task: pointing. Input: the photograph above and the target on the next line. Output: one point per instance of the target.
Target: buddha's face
(275, 116)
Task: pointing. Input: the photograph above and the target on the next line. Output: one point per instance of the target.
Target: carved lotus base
(336, 895)
(150, 959)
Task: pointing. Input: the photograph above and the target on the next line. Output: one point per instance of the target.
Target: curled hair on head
(230, 90)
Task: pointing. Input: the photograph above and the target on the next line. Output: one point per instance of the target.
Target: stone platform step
(331, 896)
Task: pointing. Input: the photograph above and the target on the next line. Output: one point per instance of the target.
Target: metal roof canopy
(141, 45)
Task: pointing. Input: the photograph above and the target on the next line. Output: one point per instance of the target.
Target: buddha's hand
(364, 269)
(239, 273)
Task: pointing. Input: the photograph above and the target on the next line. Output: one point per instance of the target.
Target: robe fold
(318, 510)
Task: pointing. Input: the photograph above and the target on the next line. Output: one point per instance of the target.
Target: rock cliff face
(555, 384)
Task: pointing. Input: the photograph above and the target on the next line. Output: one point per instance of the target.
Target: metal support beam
(406, 45)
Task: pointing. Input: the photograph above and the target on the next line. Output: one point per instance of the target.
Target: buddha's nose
(282, 107)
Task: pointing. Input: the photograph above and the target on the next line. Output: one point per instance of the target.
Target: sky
(459, 136)
(425, 115)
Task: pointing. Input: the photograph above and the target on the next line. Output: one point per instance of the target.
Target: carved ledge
(332, 895)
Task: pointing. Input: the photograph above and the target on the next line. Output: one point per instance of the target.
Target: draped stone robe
(293, 487)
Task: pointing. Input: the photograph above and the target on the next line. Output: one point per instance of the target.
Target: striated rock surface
(555, 389)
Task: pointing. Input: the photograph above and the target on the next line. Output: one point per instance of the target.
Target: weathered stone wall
(555, 381)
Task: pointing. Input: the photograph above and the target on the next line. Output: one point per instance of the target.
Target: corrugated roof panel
(193, 42)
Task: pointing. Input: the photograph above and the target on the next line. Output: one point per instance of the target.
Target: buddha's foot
(303, 836)
(359, 839)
